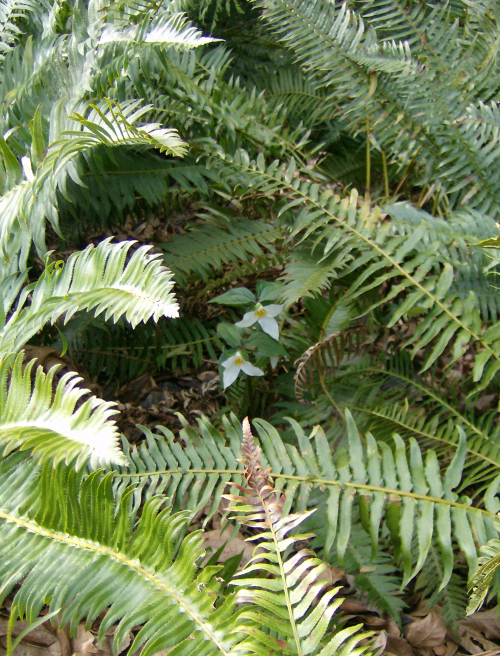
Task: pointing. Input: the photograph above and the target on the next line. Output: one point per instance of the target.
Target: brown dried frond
(260, 491)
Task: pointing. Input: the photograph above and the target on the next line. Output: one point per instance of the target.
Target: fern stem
(319, 482)
(283, 575)
(10, 628)
(386, 176)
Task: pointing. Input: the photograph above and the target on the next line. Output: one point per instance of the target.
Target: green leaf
(239, 296)
(265, 345)
(230, 333)
(100, 279)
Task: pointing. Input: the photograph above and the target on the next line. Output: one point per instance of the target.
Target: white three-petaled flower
(234, 365)
(265, 316)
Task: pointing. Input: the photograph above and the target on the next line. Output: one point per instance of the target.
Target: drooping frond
(420, 275)
(404, 492)
(292, 598)
(206, 248)
(118, 353)
(99, 279)
(69, 545)
(51, 424)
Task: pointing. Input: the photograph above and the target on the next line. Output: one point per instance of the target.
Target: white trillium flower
(234, 365)
(265, 316)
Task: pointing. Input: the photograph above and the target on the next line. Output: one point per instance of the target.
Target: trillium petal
(274, 361)
(248, 320)
(272, 310)
(250, 369)
(270, 326)
(230, 361)
(230, 374)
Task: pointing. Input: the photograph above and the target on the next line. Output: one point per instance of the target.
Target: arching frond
(55, 426)
(174, 30)
(68, 544)
(99, 279)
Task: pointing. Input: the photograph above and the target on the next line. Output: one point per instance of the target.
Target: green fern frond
(205, 249)
(422, 280)
(118, 353)
(413, 496)
(387, 86)
(486, 576)
(52, 424)
(12, 15)
(174, 30)
(96, 279)
(292, 599)
(68, 544)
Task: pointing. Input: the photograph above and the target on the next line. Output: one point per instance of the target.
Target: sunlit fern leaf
(486, 576)
(295, 598)
(100, 279)
(68, 545)
(174, 30)
(395, 491)
(55, 425)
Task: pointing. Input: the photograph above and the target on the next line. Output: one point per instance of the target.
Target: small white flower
(234, 365)
(265, 316)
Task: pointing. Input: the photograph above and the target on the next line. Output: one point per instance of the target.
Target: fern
(50, 424)
(412, 495)
(338, 226)
(205, 249)
(287, 595)
(96, 279)
(387, 86)
(63, 538)
(116, 352)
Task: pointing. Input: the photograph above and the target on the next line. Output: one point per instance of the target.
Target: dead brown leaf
(215, 540)
(40, 635)
(427, 632)
(398, 647)
(486, 622)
